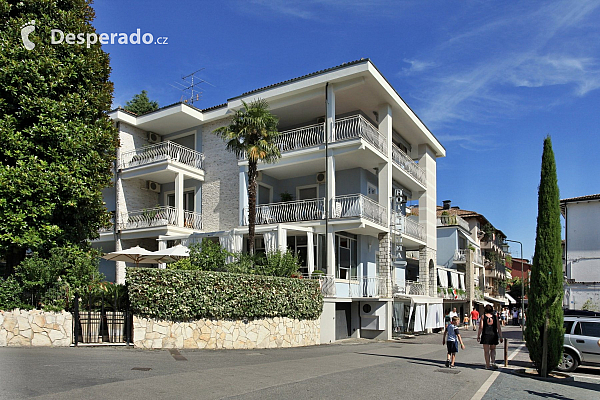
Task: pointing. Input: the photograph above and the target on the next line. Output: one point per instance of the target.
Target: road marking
(488, 383)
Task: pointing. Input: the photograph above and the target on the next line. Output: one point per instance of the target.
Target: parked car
(582, 342)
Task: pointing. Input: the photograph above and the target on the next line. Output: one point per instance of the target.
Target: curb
(560, 377)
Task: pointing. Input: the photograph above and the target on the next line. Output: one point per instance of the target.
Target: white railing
(300, 138)
(412, 288)
(326, 283)
(460, 255)
(358, 205)
(163, 151)
(403, 161)
(478, 259)
(358, 126)
(159, 216)
(289, 211)
(408, 226)
(374, 286)
(449, 220)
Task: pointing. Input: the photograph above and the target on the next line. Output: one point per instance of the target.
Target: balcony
(404, 162)
(460, 256)
(412, 288)
(347, 206)
(408, 227)
(359, 205)
(289, 211)
(451, 293)
(453, 220)
(353, 127)
(160, 217)
(163, 151)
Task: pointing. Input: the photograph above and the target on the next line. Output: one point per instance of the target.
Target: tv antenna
(189, 86)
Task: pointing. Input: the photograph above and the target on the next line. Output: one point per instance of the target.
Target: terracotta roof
(582, 198)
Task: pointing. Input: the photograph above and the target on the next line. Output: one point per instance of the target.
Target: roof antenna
(189, 87)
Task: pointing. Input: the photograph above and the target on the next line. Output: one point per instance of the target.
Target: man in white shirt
(453, 314)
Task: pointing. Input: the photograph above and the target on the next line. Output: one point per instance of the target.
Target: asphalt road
(405, 369)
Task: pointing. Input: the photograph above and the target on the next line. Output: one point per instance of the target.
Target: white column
(281, 238)
(179, 198)
(243, 194)
(385, 169)
(428, 218)
(162, 245)
(330, 137)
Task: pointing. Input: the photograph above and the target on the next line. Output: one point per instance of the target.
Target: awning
(510, 299)
(419, 299)
(483, 302)
(495, 300)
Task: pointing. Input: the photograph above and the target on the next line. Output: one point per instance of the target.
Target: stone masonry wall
(32, 328)
(220, 190)
(211, 334)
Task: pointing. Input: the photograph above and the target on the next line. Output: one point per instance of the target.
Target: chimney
(446, 204)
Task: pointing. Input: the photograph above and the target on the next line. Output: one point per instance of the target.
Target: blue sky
(490, 79)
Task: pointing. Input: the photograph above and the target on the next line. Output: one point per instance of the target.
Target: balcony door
(307, 192)
(188, 200)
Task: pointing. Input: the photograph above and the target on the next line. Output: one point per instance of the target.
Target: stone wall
(25, 328)
(220, 190)
(210, 334)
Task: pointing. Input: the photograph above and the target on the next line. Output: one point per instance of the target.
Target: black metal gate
(102, 319)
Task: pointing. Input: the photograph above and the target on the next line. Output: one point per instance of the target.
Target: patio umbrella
(171, 254)
(133, 254)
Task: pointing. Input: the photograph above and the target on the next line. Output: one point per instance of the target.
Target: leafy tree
(544, 332)
(252, 133)
(141, 104)
(58, 143)
(207, 256)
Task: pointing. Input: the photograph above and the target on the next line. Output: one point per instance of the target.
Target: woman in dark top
(488, 335)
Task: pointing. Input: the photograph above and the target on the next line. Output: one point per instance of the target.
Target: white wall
(583, 241)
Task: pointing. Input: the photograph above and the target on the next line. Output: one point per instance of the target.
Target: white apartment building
(581, 252)
(353, 155)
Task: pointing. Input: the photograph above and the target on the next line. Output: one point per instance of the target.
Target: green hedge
(178, 295)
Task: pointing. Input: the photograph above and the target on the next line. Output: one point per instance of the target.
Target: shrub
(10, 294)
(190, 295)
(48, 281)
(207, 256)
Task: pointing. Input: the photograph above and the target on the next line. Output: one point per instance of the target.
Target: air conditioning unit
(320, 120)
(154, 137)
(155, 187)
(321, 177)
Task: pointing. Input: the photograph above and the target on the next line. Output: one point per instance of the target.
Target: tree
(252, 133)
(58, 143)
(544, 333)
(141, 104)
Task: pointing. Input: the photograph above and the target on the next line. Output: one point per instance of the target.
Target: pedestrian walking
(515, 317)
(475, 318)
(451, 340)
(504, 315)
(466, 321)
(489, 333)
(453, 313)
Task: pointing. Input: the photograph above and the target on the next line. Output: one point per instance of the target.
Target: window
(371, 189)
(346, 259)
(299, 245)
(188, 200)
(568, 325)
(265, 194)
(590, 329)
(307, 192)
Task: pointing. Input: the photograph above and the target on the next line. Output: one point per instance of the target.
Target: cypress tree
(546, 284)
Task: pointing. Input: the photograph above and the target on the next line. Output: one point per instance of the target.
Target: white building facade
(353, 155)
(582, 252)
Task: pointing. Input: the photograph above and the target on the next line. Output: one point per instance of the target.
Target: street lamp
(522, 289)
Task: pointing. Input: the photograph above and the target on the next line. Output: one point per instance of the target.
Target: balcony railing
(289, 211)
(358, 126)
(163, 151)
(159, 216)
(412, 288)
(450, 220)
(408, 226)
(359, 205)
(403, 161)
(460, 255)
(367, 287)
(300, 138)
(326, 283)
(451, 293)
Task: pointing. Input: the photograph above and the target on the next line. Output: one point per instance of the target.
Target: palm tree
(252, 133)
